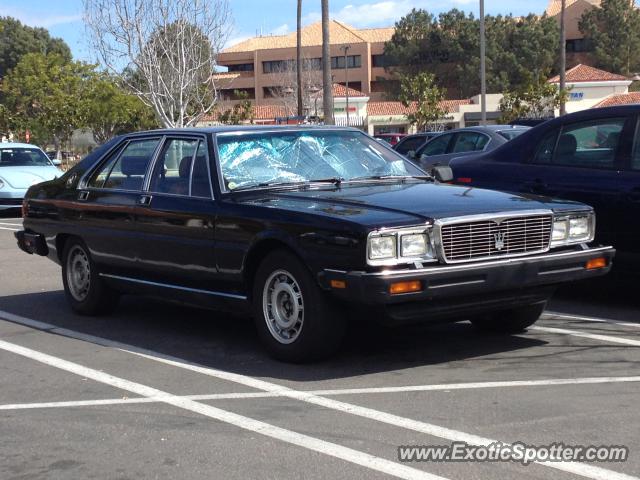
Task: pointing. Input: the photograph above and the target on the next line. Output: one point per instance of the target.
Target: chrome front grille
(503, 237)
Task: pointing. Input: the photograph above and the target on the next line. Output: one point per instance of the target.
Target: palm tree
(327, 94)
(299, 58)
(563, 57)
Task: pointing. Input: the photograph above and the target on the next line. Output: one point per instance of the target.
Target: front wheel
(515, 320)
(86, 292)
(294, 319)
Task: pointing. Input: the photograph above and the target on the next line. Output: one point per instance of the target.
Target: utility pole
(563, 57)
(299, 59)
(327, 87)
(346, 76)
(483, 68)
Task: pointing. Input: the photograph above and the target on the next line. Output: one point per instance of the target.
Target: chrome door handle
(145, 200)
(83, 196)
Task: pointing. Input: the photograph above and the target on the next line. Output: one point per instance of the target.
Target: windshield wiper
(269, 185)
(391, 177)
(334, 180)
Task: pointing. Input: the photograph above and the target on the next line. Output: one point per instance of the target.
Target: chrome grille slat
(477, 239)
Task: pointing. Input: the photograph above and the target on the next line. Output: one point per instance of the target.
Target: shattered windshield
(260, 159)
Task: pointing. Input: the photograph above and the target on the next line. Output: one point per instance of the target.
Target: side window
(126, 170)
(589, 144)
(437, 146)
(469, 142)
(410, 144)
(544, 153)
(172, 171)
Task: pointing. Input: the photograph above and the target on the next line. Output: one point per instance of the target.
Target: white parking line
(10, 229)
(344, 453)
(584, 470)
(590, 319)
(592, 336)
(333, 392)
(16, 223)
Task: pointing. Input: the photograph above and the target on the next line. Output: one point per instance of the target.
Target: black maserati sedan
(302, 227)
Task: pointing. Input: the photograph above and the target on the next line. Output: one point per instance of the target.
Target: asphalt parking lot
(158, 390)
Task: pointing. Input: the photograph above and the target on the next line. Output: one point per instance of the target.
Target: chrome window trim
(82, 184)
(178, 136)
(494, 217)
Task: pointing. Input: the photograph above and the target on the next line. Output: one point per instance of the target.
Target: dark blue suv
(591, 156)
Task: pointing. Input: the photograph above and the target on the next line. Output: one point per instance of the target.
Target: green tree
(536, 99)
(16, 40)
(241, 112)
(421, 92)
(449, 47)
(44, 94)
(111, 110)
(613, 29)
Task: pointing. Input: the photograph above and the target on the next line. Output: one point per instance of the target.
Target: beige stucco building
(256, 66)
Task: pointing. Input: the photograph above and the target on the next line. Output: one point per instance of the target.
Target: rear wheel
(515, 320)
(86, 292)
(295, 320)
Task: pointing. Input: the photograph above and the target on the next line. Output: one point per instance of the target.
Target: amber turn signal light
(405, 287)
(595, 263)
(338, 284)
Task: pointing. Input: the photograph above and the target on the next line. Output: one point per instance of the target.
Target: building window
(237, 93)
(353, 85)
(275, 66)
(241, 67)
(579, 45)
(353, 61)
(381, 61)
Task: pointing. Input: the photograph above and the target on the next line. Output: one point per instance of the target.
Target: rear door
(177, 215)
(434, 151)
(583, 161)
(628, 242)
(107, 204)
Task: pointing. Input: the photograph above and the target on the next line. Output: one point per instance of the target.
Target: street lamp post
(483, 67)
(346, 77)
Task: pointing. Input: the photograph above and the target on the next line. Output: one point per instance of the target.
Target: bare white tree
(286, 91)
(165, 51)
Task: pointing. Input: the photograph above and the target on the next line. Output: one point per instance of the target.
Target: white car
(21, 166)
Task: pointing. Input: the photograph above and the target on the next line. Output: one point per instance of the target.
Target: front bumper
(450, 291)
(13, 199)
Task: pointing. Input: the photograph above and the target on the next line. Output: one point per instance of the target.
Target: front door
(177, 215)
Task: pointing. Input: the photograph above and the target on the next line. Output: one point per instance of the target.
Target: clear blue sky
(63, 17)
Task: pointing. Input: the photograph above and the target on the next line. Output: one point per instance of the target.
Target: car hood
(24, 177)
(396, 204)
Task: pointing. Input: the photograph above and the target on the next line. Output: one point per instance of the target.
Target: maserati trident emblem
(499, 238)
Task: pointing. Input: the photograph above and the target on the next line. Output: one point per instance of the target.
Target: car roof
(246, 128)
(18, 145)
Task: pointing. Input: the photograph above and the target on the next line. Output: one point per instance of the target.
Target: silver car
(22, 165)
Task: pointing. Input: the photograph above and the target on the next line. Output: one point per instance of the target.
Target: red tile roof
(340, 91)
(397, 108)
(585, 73)
(619, 99)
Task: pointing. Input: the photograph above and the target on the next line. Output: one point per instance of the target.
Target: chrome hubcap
(78, 274)
(283, 306)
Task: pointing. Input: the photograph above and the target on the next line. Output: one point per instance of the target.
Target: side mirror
(411, 154)
(442, 173)
(56, 162)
